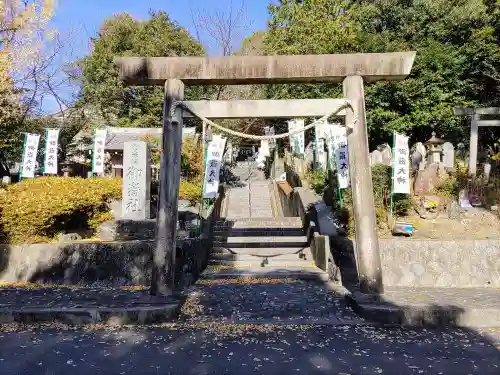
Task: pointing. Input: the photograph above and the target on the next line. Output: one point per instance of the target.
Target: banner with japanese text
(341, 155)
(329, 139)
(269, 131)
(331, 149)
(291, 140)
(264, 149)
(321, 136)
(98, 152)
(297, 141)
(51, 148)
(272, 141)
(31, 142)
(401, 165)
(215, 152)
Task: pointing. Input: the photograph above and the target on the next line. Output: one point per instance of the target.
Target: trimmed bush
(450, 187)
(318, 180)
(381, 177)
(37, 210)
(190, 191)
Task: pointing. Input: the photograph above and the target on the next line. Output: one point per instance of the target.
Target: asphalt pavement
(239, 349)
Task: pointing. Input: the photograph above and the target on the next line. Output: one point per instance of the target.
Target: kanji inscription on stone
(136, 181)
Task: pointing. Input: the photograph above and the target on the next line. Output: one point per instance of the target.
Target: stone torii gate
(476, 122)
(350, 69)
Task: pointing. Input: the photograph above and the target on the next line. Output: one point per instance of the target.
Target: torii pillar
(353, 70)
(476, 122)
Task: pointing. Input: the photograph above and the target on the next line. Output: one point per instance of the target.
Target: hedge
(37, 210)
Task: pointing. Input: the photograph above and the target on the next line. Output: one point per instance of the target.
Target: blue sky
(81, 18)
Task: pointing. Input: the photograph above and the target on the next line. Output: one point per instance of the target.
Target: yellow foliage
(191, 191)
(192, 158)
(23, 28)
(39, 209)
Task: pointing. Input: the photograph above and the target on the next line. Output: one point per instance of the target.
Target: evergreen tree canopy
(458, 56)
(121, 35)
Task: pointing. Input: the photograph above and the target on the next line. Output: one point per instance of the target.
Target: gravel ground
(231, 349)
(28, 295)
(265, 300)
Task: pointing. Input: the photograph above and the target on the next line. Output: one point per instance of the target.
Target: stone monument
(136, 196)
(448, 155)
(420, 148)
(386, 151)
(376, 158)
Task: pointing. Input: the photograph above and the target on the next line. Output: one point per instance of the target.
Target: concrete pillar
(369, 266)
(474, 127)
(162, 280)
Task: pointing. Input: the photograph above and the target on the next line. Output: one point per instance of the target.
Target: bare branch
(222, 28)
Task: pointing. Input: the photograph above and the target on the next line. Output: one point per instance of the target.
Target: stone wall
(85, 263)
(409, 262)
(124, 262)
(300, 202)
(430, 263)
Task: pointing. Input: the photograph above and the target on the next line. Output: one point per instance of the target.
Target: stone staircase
(252, 196)
(261, 274)
(261, 271)
(274, 246)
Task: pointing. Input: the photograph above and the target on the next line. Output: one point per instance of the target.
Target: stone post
(136, 200)
(369, 266)
(474, 126)
(162, 280)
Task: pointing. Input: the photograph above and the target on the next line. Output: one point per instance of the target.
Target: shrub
(190, 191)
(382, 179)
(37, 210)
(318, 180)
(191, 156)
(450, 187)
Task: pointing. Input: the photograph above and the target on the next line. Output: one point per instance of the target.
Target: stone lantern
(66, 168)
(435, 149)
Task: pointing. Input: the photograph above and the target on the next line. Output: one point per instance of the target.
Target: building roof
(116, 137)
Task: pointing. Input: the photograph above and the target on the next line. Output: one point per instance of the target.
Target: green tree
(457, 56)
(121, 35)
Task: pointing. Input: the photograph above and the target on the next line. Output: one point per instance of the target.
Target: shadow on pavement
(207, 348)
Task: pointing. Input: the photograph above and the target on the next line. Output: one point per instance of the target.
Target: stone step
(261, 232)
(430, 307)
(262, 242)
(228, 256)
(256, 222)
(257, 251)
(299, 273)
(265, 263)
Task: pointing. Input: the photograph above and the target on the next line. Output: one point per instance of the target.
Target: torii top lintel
(470, 111)
(234, 70)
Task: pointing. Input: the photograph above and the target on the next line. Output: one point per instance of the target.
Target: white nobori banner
(212, 170)
(329, 139)
(321, 136)
(339, 134)
(31, 142)
(98, 153)
(401, 165)
(51, 148)
(291, 140)
(297, 141)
